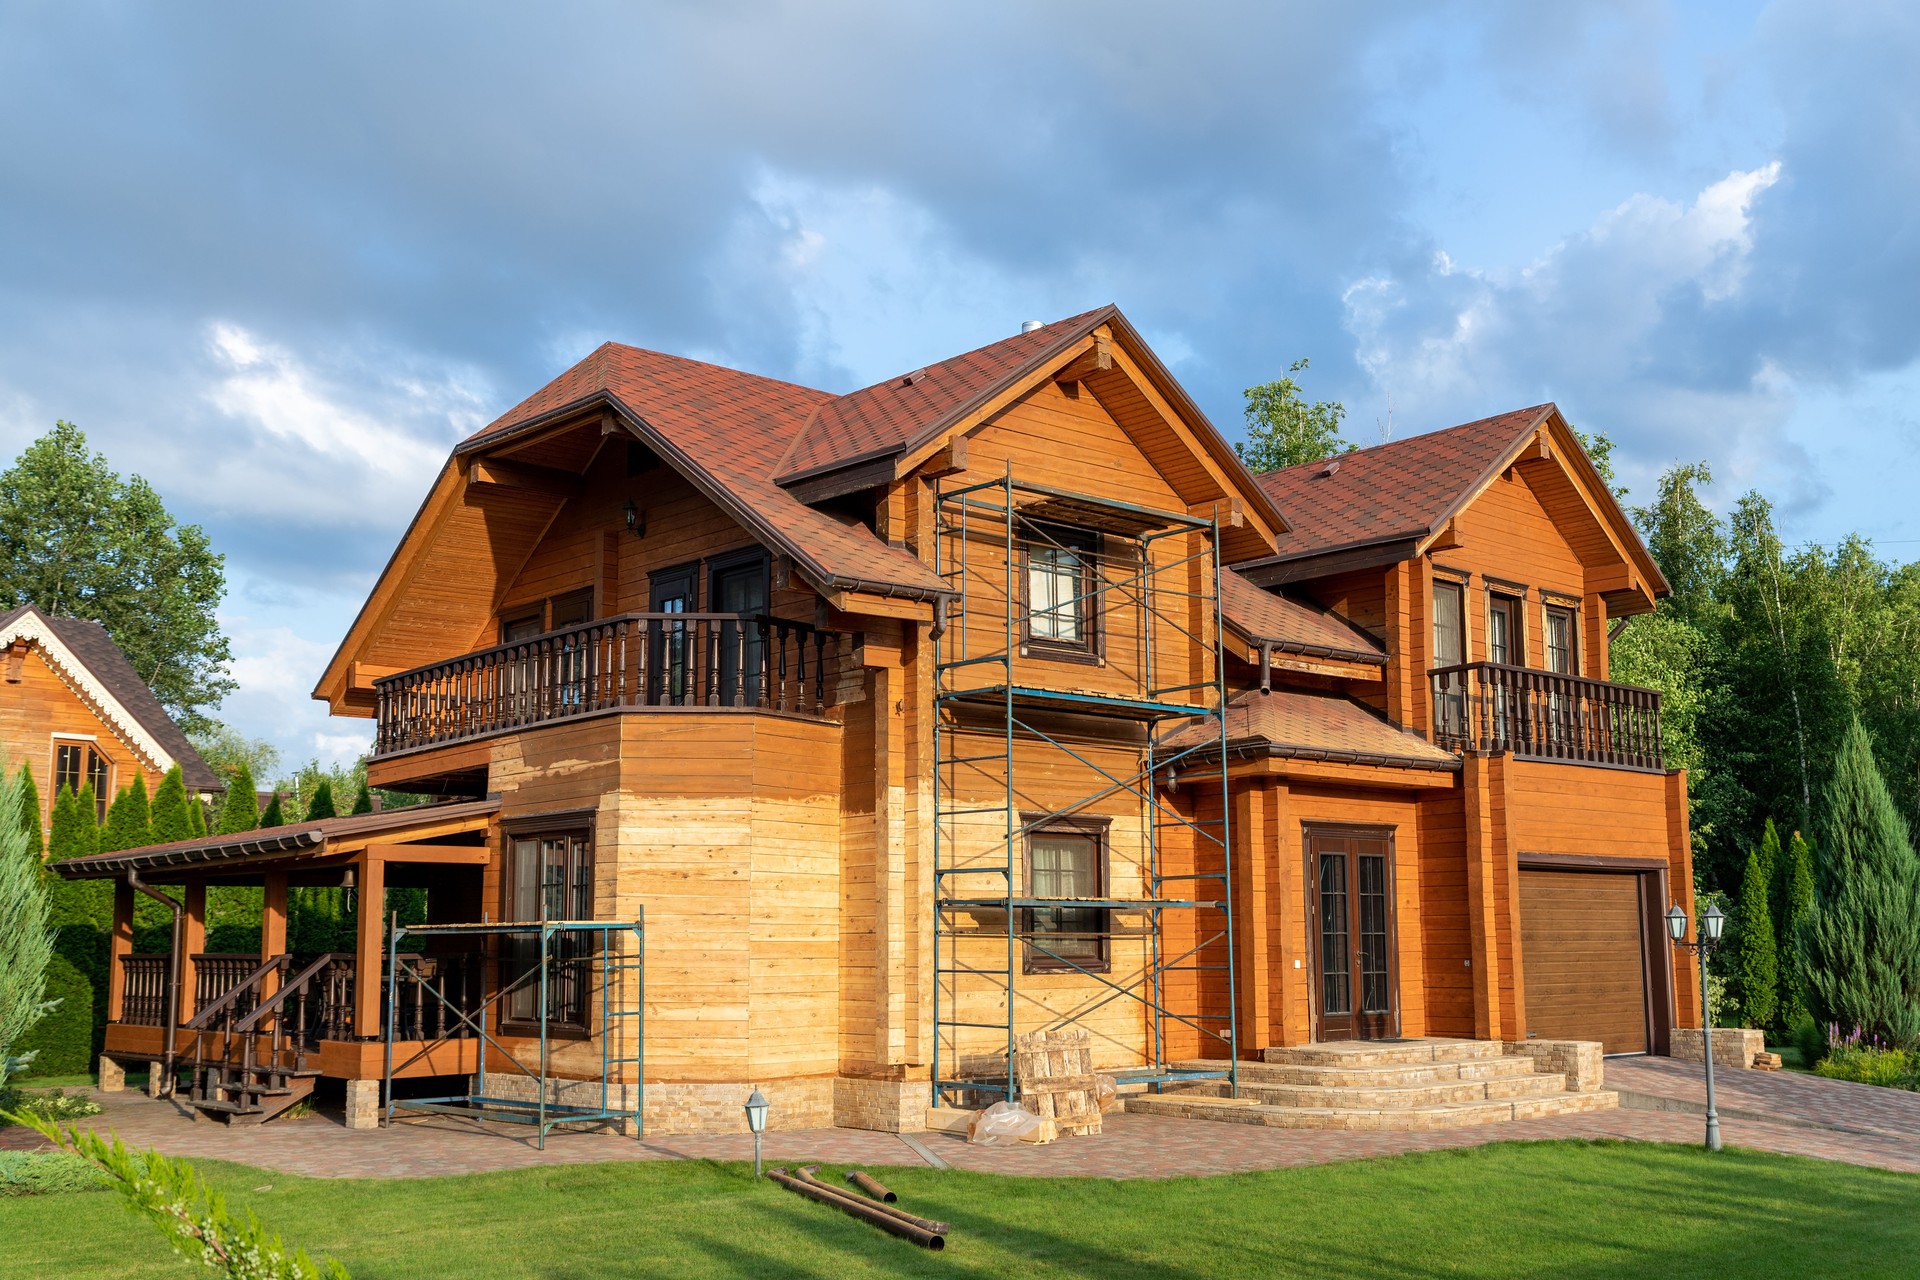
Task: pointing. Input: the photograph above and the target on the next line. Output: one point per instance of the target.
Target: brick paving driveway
(1881, 1127)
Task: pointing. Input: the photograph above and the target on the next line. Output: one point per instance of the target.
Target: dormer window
(1062, 583)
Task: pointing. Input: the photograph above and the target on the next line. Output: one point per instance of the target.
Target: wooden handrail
(296, 983)
(204, 1016)
(1546, 715)
(632, 660)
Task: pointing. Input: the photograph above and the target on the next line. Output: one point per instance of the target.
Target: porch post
(368, 952)
(193, 940)
(1483, 926)
(119, 947)
(273, 929)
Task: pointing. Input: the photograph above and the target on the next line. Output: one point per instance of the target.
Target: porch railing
(216, 974)
(143, 1002)
(633, 660)
(1543, 715)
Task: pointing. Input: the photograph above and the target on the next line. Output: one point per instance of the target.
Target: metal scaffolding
(1160, 570)
(589, 952)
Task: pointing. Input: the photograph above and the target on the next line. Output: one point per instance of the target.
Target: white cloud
(1605, 323)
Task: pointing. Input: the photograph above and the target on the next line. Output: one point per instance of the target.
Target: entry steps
(1379, 1085)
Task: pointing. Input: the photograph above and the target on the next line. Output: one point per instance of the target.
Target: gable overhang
(31, 628)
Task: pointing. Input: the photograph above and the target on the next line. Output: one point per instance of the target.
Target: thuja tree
(171, 819)
(26, 938)
(1796, 907)
(129, 819)
(30, 806)
(1861, 945)
(1759, 964)
(241, 810)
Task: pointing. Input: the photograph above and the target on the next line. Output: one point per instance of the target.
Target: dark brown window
(549, 877)
(1062, 580)
(1504, 642)
(1067, 862)
(76, 765)
(1449, 650)
(1562, 638)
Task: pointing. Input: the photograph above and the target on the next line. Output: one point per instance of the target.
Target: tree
(1861, 945)
(171, 820)
(26, 938)
(321, 806)
(363, 802)
(272, 816)
(30, 814)
(76, 832)
(1686, 539)
(1759, 963)
(78, 540)
(1284, 430)
(225, 749)
(1796, 875)
(241, 811)
(196, 818)
(129, 820)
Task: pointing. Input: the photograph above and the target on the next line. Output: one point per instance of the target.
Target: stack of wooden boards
(1057, 1080)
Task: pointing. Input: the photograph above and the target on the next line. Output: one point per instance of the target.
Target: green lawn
(1511, 1209)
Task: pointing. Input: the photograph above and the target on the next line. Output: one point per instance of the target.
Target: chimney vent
(1028, 326)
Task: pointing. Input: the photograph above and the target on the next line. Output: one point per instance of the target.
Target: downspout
(1266, 667)
(173, 975)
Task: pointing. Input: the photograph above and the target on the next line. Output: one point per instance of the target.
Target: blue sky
(277, 258)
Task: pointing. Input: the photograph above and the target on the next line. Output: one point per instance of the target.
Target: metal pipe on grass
(871, 1185)
(867, 1212)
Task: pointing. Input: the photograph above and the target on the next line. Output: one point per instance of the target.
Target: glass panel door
(667, 648)
(1336, 950)
(1449, 650)
(742, 589)
(1353, 926)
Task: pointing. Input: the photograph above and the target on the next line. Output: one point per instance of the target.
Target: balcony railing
(1543, 715)
(633, 660)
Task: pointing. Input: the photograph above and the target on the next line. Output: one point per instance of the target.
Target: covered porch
(251, 1033)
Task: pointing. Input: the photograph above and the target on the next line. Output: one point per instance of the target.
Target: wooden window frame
(1098, 830)
(1548, 608)
(90, 754)
(728, 561)
(1090, 545)
(564, 823)
(1517, 612)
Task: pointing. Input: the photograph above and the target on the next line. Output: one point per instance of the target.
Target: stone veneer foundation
(1732, 1046)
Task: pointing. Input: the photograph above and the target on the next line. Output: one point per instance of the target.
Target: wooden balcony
(1542, 715)
(632, 661)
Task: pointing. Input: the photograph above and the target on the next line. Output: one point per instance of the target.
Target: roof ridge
(1414, 438)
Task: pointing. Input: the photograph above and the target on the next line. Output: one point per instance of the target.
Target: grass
(1572, 1209)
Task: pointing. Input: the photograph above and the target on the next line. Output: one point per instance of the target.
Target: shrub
(62, 1040)
(55, 1104)
(47, 1173)
(1759, 970)
(1808, 1038)
(1864, 1060)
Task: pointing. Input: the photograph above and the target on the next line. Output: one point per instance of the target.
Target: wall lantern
(636, 519)
(756, 1121)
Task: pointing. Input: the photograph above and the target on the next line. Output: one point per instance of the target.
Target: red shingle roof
(1404, 489)
(898, 414)
(732, 427)
(1312, 726)
(1265, 617)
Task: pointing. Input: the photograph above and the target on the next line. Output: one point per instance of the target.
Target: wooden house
(992, 698)
(74, 711)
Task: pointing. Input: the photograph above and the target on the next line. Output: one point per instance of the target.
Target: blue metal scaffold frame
(981, 690)
(603, 960)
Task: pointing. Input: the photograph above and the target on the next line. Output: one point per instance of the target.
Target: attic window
(640, 459)
(913, 377)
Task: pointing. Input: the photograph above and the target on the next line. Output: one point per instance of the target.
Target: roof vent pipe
(1028, 326)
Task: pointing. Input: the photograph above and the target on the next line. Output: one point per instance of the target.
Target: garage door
(1581, 958)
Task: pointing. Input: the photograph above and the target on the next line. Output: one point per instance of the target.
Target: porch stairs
(248, 1094)
(1379, 1085)
(252, 1057)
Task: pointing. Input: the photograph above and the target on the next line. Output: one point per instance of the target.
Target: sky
(279, 258)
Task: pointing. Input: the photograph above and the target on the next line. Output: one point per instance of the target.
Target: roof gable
(1400, 497)
(85, 657)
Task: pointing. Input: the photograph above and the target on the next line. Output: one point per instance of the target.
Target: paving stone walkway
(1880, 1126)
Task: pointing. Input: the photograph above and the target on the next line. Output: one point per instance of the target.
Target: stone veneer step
(1385, 1053)
(1435, 1116)
(1387, 1077)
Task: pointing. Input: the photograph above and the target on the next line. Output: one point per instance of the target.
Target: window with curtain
(1066, 864)
(1062, 581)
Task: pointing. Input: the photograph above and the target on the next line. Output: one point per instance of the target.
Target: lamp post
(756, 1121)
(1706, 940)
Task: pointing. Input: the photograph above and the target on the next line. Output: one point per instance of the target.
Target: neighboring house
(73, 708)
(992, 698)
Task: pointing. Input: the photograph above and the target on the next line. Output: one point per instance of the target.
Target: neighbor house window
(1066, 863)
(1062, 581)
(77, 764)
(549, 877)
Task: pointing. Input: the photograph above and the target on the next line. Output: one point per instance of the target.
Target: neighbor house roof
(1308, 725)
(82, 653)
(1266, 617)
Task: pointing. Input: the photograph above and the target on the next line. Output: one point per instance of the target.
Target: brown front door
(1350, 874)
